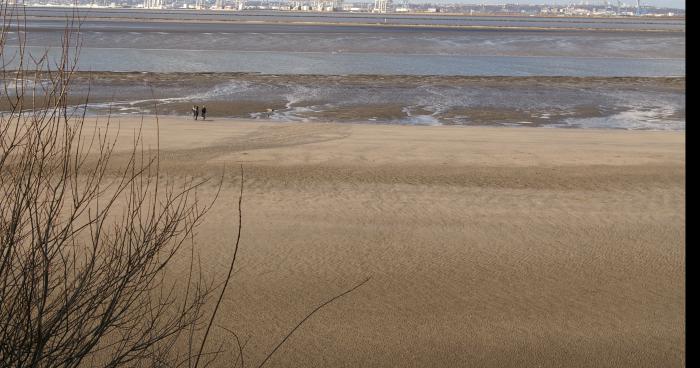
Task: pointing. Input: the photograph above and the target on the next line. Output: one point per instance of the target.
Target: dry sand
(487, 247)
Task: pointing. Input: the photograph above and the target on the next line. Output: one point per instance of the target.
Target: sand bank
(487, 247)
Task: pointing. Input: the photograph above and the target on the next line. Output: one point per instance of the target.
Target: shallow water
(121, 45)
(615, 103)
(342, 63)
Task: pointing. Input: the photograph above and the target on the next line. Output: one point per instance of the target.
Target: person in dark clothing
(204, 113)
(195, 111)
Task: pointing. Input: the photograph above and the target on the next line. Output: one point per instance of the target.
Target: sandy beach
(487, 246)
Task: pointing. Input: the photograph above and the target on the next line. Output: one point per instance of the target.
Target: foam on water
(649, 119)
(614, 104)
(421, 120)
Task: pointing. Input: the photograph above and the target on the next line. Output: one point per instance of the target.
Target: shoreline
(92, 15)
(361, 123)
(589, 137)
(417, 14)
(386, 25)
(628, 103)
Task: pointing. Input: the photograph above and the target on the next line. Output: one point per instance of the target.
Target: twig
(228, 277)
(238, 341)
(309, 316)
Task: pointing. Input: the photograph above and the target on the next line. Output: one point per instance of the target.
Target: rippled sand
(487, 247)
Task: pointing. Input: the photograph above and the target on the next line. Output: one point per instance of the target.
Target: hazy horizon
(679, 4)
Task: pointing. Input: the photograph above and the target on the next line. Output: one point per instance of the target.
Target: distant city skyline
(679, 4)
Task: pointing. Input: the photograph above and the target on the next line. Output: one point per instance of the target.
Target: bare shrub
(85, 243)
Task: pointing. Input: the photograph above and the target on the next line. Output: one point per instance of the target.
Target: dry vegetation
(85, 243)
(83, 250)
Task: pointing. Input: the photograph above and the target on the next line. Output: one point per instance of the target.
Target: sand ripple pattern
(488, 247)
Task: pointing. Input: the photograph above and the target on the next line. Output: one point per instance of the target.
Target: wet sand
(618, 103)
(487, 247)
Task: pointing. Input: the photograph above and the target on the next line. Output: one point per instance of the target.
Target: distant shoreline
(416, 14)
(451, 21)
(382, 25)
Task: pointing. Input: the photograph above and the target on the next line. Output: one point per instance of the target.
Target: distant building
(315, 5)
(381, 6)
(153, 4)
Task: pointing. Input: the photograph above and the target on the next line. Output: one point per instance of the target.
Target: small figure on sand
(195, 111)
(270, 112)
(204, 113)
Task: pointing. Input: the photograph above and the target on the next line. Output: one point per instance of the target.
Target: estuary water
(148, 45)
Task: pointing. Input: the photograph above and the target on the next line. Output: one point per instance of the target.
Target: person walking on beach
(204, 113)
(195, 111)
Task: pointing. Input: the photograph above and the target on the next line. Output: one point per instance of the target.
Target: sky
(660, 3)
